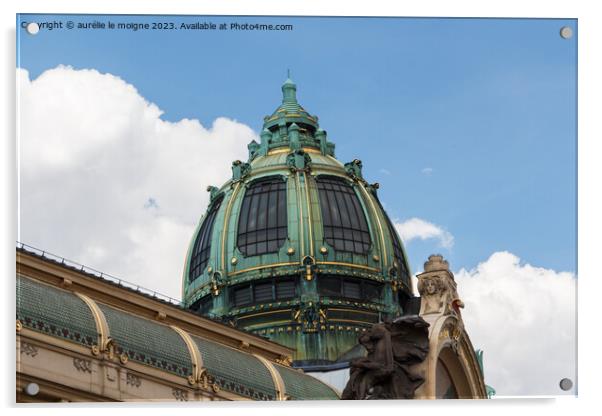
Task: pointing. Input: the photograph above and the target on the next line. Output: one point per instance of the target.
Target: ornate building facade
(82, 337)
(292, 263)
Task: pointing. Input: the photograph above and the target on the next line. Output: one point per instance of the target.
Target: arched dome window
(262, 224)
(398, 255)
(202, 245)
(397, 251)
(345, 225)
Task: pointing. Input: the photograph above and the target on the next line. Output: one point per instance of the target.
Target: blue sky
(488, 104)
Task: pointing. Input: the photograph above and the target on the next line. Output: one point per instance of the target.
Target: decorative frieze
(133, 380)
(28, 349)
(112, 374)
(180, 395)
(83, 365)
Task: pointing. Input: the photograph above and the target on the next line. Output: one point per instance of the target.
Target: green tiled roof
(306, 388)
(148, 342)
(56, 312)
(62, 314)
(236, 371)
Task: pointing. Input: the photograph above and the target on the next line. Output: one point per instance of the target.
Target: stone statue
(386, 373)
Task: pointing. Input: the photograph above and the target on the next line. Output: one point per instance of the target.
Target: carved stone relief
(82, 365)
(29, 349)
(180, 395)
(133, 380)
(111, 373)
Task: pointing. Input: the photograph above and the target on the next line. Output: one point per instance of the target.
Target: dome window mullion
(262, 224)
(345, 225)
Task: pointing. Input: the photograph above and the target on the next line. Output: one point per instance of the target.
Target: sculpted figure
(410, 347)
(430, 290)
(368, 372)
(385, 373)
(438, 289)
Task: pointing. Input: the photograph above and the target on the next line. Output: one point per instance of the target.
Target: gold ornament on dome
(308, 273)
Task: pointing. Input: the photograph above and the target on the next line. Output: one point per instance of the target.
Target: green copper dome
(296, 246)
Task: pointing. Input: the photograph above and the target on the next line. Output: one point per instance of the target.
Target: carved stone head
(438, 288)
(430, 286)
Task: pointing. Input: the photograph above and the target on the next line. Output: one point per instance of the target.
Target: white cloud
(418, 228)
(524, 318)
(427, 171)
(106, 182)
(385, 171)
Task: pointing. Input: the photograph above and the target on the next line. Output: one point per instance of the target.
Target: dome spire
(289, 89)
(275, 131)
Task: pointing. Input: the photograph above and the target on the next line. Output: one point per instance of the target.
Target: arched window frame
(398, 253)
(341, 231)
(201, 250)
(262, 226)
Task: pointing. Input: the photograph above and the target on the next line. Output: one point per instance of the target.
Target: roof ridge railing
(120, 282)
(75, 265)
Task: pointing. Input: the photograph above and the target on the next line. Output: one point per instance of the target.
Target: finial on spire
(288, 89)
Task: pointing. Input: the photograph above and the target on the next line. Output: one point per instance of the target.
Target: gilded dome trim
(264, 266)
(225, 228)
(301, 225)
(353, 265)
(380, 227)
(310, 223)
(287, 149)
